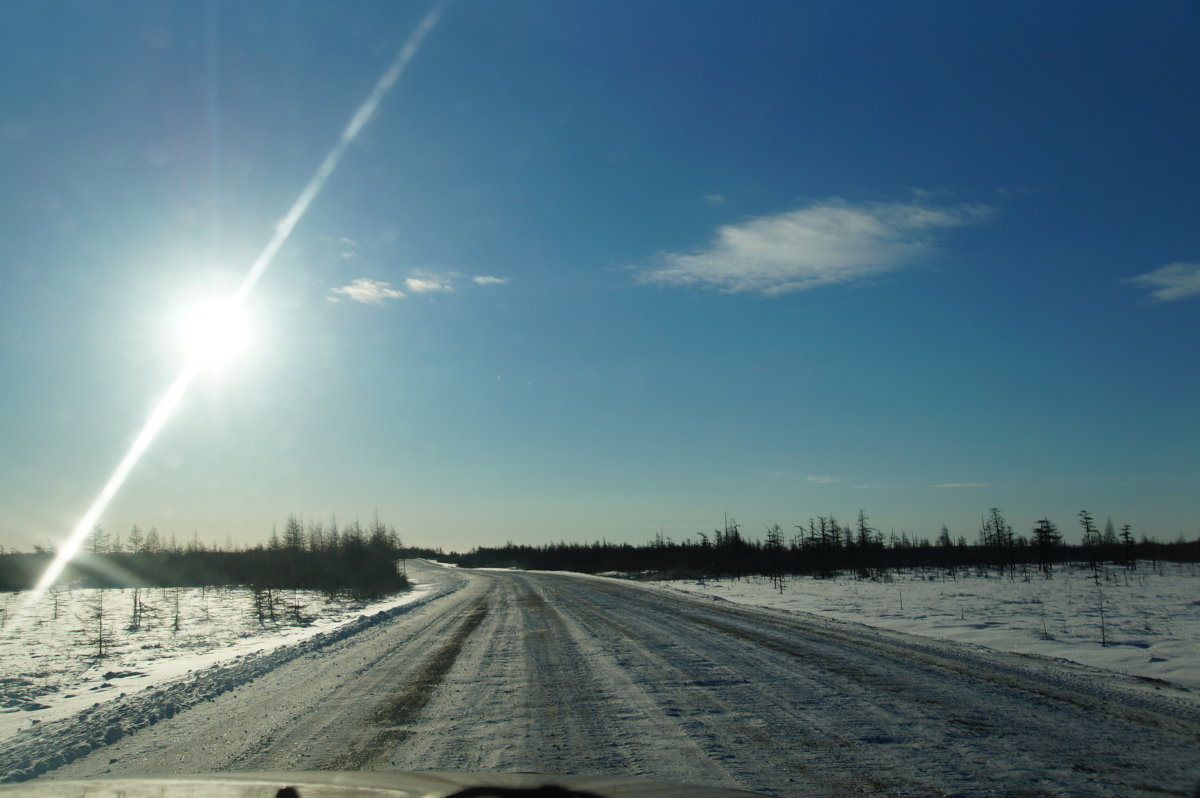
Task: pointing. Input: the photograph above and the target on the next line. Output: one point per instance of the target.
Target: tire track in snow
(392, 721)
(1088, 689)
(731, 703)
(652, 742)
(520, 698)
(905, 714)
(319, 731)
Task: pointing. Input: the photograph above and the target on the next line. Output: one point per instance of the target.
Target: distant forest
(824, 546)
(368, 561)
(353, 561)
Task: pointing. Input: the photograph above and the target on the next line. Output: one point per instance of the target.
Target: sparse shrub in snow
(127, 630)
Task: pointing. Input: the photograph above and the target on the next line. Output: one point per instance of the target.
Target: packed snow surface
(1150, 625)
(557, 673)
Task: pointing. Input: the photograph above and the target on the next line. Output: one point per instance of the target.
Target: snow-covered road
(520, 671)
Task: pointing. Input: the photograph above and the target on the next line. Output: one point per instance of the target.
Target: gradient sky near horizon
(597, 269)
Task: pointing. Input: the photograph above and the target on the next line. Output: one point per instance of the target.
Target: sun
(215, 332)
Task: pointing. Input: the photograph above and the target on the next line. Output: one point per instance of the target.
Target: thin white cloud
(349, 255)
(715, 199)
(928, 193)
(377, 292)
(340, 241)
(962, 485)
(428, 284)
(367, 291)
(1005, 191)
(823, 244)
(1174, 281)
(818, 479)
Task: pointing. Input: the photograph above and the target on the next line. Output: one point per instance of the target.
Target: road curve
(523, 671)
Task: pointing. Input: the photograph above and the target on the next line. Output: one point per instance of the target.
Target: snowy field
(50, 668)
(1151, 614)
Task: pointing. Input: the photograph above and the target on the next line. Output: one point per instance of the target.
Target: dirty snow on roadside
(1150, 625)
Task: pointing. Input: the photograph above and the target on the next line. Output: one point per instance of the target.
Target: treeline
(824, 546)
(356, 561)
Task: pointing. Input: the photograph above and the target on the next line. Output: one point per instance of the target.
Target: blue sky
(600, 269)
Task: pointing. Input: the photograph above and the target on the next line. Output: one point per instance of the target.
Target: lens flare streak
(357, 122)
(162, 412)
(178, 388)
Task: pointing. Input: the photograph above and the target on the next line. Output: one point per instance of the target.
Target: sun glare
(215, 332)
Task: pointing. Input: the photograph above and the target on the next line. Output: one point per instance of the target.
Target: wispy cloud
(426, 283)
(366, 291)
(341, 241)
(962, 485)
(920, 193)
(1006, 191)
(1174, 281)
(818, 479)
(377, 292)
(715, 199)
(823, 244)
